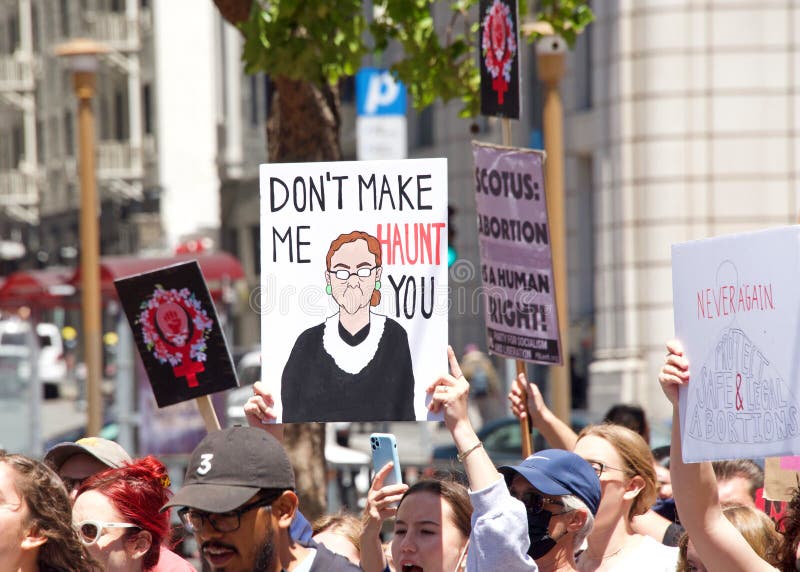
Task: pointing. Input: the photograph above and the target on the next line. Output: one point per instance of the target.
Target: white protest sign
(737, 313)
(354, 287)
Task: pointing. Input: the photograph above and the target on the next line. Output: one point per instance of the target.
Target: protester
(506, 530)
(340, 533)
(715, 539)
(36, 532)
(75, 462)
(527, 402)
(623, 462)
(117, 515)
(788, 556)
(738, 481)
(431, 529)
(239, 501)
(756, 528)
(484, 383)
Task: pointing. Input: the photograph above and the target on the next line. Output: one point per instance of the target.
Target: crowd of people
(599, 500)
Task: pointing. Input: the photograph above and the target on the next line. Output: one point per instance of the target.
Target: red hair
(373, 245)
(138, 490)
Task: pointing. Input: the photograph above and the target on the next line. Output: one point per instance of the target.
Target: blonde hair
(342, 523)
(756, 528)
(636, 457)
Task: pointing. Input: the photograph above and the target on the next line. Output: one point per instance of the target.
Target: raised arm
(694, 486)
(449, 394)
(526, 401)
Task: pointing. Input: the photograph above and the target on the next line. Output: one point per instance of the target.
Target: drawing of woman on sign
(356, 365)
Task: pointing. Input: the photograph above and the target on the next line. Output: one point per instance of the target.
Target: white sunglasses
(89, 531)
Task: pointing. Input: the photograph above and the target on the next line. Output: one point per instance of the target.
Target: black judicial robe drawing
(332, 375)
(355, 366)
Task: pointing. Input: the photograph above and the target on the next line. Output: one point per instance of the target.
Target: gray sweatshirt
(499, 539)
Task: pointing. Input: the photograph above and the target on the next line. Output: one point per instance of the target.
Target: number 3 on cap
(205, 463)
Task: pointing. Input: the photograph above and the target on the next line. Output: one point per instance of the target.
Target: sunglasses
(90, 531)
(534, 502)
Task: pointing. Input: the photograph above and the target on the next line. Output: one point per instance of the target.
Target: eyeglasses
(90, 531)
(600, 467)
(534, 502)
(361, 273)
(221, 522)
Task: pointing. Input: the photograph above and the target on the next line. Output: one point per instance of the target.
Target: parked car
(52, 368)
(502, 440)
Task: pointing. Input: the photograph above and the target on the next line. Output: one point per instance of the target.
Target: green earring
(377, 285)
(328, 290)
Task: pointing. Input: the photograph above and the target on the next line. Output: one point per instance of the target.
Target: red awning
(217, 268)
(39, 288)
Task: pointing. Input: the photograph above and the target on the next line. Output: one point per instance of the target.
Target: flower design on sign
(175, 328)
(499, 46)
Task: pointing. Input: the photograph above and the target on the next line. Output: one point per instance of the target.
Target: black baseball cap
(229, 467)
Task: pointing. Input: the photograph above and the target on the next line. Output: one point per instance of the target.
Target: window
(255, 237)
(267, 94)
(17, 145)
(64, 11)
(13, 34)
(119, 116)
(41, 148)
(147, 104)
(69, 136)
(425, 127)
(253, 101)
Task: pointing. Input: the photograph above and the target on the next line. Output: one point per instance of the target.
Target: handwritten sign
(737, 311)
(177, 333)
(354, 287)
(516, 263)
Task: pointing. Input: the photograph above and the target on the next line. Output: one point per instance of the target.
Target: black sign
(499, 54)
(177, 332)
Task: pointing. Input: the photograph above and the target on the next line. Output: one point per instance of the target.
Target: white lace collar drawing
(352, 359)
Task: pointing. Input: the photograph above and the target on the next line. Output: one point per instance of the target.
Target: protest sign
(736, 309)
(177, 333)
(779, 482)
(353, 287)
(516, 262)
(499, 58)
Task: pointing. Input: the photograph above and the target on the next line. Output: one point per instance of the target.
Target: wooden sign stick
(208, 413)
(525, 423)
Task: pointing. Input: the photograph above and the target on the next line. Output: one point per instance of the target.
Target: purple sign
(516, 262)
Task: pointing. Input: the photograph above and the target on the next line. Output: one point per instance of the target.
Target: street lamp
(81, 56)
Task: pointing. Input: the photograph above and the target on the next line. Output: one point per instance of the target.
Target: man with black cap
(239, 501)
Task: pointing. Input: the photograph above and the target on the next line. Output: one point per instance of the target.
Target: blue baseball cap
(557, 472)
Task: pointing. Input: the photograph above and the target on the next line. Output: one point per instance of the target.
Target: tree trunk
(304, 126)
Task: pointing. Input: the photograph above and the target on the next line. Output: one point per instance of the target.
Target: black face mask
(541, 541)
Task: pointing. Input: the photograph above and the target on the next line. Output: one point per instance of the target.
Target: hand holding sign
(674, 372)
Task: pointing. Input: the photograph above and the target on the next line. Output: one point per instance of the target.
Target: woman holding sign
(356, 365)
(694, 486)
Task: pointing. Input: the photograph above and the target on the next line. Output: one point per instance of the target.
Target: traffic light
(452, 254)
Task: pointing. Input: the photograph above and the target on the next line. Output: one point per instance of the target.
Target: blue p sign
(378, 93)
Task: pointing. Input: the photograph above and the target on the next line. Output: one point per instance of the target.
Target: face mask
(541, 541)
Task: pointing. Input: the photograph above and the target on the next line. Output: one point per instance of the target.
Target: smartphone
(384, 449)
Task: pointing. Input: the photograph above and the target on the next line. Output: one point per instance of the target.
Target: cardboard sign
(516, 262)
(177, 333)
(499, 58)
(354, 287)
(737, 312)
(779, 481)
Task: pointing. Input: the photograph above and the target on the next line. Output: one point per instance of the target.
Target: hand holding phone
(384, 450)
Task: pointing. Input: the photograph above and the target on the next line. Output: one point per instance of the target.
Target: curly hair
(50, 513)
(138, 490)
